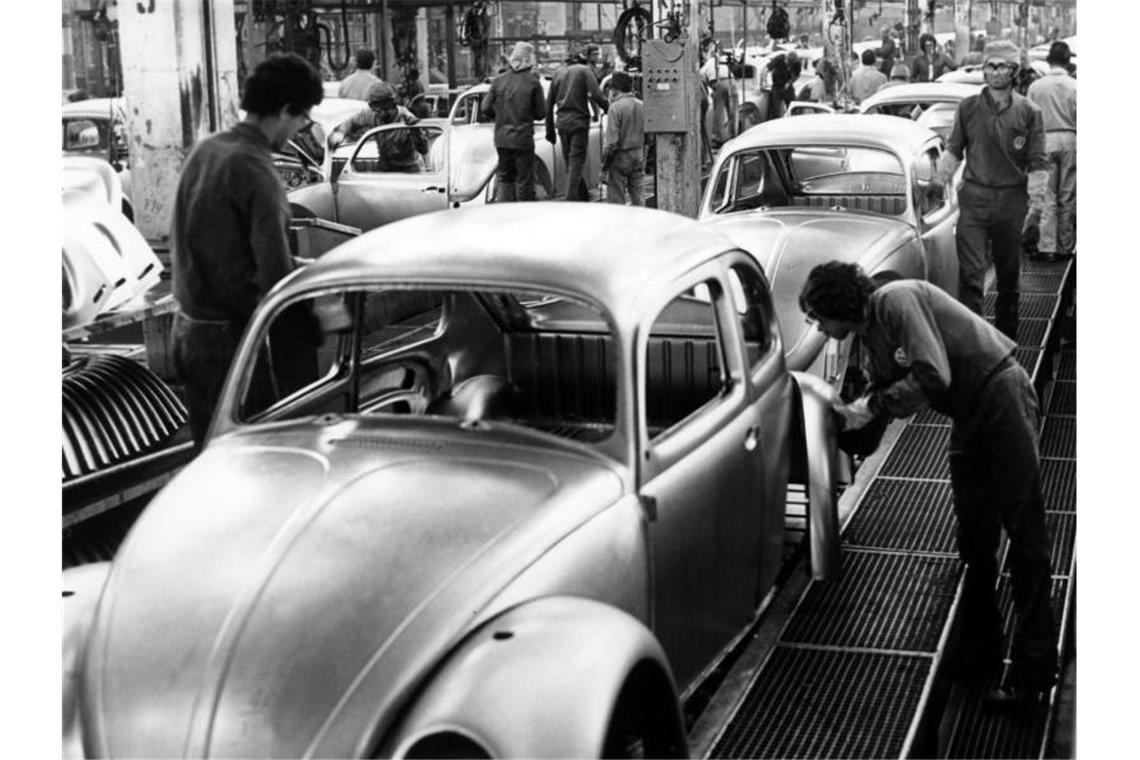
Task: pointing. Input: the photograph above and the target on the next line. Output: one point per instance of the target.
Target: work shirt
(925, 69)
(865, 81)
(1004, 143)
(1056, 95)
(516, 103)
(357, 84)
(230, 227)
(924, 347)
(571, 90)
(625, 123)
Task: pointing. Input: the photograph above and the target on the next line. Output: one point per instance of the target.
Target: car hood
(789, 243)
(288, 588)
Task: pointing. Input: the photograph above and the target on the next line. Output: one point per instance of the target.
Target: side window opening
(753, 307)
(684, 365)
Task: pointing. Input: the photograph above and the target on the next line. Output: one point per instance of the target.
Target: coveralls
(1056, 95)
(571, 90)
(1002, 145)
(230, 245)
(923, 347)
(516, 103)
(622, 152)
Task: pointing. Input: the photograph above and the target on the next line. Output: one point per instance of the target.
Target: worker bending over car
(924, 348)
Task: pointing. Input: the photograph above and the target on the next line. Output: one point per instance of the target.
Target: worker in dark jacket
(622, 156)
(230, 231)
(1003, 135)
(931, 63)
(515, 101)
(572, 89)
(926, 349)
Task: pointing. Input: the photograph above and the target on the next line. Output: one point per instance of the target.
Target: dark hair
(621, 81)
(365, 58)
(868, 57)
(924, 38)
(282, 80)
(1059, 54)
(837, 290)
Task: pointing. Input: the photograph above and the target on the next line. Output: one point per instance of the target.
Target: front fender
(543, 680)
(822, 459)
(82, 587)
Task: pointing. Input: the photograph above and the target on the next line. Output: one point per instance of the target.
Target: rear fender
(82, 587)
(544, 680)
(821, 455)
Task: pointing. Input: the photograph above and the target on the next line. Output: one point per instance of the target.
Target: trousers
(626, 177)
(574, 145)
(1059, 217)
(996, 481)
(515, 174)
(993, 217)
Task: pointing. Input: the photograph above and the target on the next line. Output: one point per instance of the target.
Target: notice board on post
(666, 81)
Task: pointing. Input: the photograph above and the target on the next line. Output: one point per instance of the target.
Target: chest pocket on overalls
(1018, 141)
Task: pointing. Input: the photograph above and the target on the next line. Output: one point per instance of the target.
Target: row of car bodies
(353, 187)
(526, 498)
(516, 493)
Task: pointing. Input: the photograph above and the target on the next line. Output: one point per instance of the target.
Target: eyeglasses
(997, 67)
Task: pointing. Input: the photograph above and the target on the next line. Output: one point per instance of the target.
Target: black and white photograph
(577, 379)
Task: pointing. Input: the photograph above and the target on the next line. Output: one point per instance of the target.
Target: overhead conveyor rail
(853, 668)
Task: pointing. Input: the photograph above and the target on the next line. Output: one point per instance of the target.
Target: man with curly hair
(230, 230)
(924, 348)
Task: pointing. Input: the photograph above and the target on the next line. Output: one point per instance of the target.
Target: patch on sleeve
(902, 358)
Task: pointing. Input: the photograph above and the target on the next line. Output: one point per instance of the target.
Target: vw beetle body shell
(461, 173)
(346, 585)
(789, 240)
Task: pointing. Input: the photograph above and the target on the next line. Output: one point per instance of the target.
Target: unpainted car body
(800, 192)
(474, 534)
(96, 128)
(459, 170)
(106, 261)
(931, 104)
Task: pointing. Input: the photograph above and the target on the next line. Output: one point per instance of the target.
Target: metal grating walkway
(854, 670)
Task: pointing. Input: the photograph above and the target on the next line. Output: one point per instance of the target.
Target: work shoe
(1007, 698)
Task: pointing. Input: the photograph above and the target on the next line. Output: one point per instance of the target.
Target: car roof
(93, 107)
(873, 130)
(607, 254)
(931, 91)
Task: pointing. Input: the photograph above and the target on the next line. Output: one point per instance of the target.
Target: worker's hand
(935, 191)
(856, 414)
(335, 139)
(551, 137)
(1031, 229)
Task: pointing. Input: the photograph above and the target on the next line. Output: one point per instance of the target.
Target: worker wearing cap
(923, 348)
(1003, 136)
(515, 101)
(397, 149)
